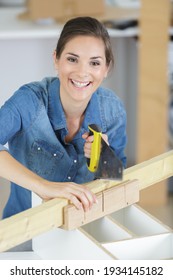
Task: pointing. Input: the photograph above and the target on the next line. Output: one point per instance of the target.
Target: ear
(108, 69)
(106, 72)
(55, 61)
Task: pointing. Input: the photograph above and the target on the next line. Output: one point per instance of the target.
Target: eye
(72, 59)
(95, 63)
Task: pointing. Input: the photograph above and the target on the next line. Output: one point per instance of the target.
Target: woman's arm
(14, 171)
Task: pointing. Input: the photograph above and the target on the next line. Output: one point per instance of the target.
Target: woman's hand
(79, 195)
(89, 140)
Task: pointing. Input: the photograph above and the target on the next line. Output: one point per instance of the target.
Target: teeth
(80, 84)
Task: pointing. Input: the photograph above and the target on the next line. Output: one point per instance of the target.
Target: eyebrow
(94, 57)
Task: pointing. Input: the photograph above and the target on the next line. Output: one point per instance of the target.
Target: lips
(80, 84)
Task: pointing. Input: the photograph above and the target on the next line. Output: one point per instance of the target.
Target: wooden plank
(24, 226)
(148, 173)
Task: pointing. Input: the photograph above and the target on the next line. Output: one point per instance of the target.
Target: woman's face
(81, 68)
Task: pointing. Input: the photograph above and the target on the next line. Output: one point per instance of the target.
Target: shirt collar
(55, 110)
(92, 114)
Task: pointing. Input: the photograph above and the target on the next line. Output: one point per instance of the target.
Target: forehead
(85, 44)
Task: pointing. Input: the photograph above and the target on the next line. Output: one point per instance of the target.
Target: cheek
(62, 67)
(63, 72)
(101, 74)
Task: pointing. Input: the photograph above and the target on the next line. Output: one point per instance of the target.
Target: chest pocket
(44, 158)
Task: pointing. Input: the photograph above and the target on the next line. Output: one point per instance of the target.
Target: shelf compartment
(106, 230)
(59, 244)
(138, 221)
(157, 247)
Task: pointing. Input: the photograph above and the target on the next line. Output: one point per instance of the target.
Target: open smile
(80, 84)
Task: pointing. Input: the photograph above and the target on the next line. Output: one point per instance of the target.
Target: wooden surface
(152, 131)
(30, 223)
(22, 227)
(109, 200)
(111, 13)
(148, 173)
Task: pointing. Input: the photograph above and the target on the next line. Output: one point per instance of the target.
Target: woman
(46, 123)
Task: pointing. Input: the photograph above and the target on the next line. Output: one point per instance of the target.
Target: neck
(74, 110)
(74, 119)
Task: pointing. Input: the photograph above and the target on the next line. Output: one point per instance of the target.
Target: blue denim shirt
(28, 121)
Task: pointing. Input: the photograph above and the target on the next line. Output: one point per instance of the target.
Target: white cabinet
(130, 233)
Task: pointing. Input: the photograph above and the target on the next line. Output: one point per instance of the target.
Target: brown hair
(85, 26)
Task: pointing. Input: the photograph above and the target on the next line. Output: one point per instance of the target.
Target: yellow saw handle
(93, 161)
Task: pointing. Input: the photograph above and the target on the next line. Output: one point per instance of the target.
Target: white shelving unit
(130, 233)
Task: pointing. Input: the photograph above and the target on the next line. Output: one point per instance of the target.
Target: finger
(83, 198)
(90, 139)
(74, 200)
(86, 197)
(76, 195)
(87, 154)
(85, 135)
(87, 149)
(91, 197)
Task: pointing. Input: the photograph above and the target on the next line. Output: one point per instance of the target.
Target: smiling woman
(45, 123)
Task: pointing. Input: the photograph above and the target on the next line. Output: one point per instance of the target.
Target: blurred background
(141, 37)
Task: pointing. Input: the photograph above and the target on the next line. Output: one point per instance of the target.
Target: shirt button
(38, 148)
(75, 160)
(54, 155)
(69, 178)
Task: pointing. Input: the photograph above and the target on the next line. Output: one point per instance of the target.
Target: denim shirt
(33, 124)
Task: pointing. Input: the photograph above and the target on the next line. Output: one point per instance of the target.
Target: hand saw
(103, 161)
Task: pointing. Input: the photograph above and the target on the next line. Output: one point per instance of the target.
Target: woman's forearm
(13, 171)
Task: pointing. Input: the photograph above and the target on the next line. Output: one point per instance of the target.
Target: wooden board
(30, 223)
(22, 227)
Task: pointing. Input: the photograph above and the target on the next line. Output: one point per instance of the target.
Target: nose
(83, 70)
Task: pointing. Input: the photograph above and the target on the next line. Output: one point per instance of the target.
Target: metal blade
(110, 167)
